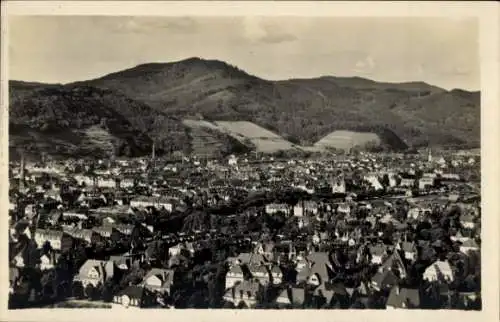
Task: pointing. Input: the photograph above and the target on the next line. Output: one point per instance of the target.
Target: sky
(61, 49)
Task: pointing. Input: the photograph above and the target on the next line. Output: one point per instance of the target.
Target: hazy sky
(61, 49)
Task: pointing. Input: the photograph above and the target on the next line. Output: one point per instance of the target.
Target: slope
(74, 120)
(301, 110)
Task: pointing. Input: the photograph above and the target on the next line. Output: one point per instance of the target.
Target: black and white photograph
(244, 162)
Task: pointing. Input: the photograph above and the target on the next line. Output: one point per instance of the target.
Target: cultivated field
(347, 139)
(264, 140)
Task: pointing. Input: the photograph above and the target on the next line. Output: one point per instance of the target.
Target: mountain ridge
(300, 110)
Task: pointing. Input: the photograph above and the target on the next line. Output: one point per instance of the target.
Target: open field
(347, 139)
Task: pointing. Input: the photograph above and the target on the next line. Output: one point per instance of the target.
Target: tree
(78, 290)
(90, 291)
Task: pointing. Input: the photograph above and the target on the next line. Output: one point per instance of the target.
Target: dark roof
(385, 277)
(403, 298)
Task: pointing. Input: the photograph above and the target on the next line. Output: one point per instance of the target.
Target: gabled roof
(408, 246)
(104, 268)
(382, 278)
(337, 288)
(166, 276)
(321, 265)
(236, 269)
(403, 298)
(50, 234)
(441, 266)
(297, 295)
(467, 218)
(470, 243)
(378, 249)
(394, 259)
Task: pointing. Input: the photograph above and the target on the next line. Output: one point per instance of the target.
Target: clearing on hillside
(264, 140)
(346, 140)
(247, 133)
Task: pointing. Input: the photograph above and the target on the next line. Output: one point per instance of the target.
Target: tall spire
(429, 155)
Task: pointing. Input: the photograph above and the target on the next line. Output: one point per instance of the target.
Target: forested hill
(149, 102)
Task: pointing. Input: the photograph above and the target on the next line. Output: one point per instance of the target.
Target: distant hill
(154, 99)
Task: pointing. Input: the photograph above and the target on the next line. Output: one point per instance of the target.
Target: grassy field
(246, 133)
(264, 140)
(347, 139)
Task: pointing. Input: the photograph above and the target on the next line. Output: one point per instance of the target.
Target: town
(346, 231)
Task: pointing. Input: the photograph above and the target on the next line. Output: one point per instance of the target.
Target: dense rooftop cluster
(375, 231)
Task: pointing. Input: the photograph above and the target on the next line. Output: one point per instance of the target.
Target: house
(266, 249)
(87, 235)
(409, 250)
(53, 194)
(293, 296)
(468, 246)
(124, 228)
(75, 214)
(329, 294)
(459, 237)
(414, 213)
(403, 298)
(338, 186)
(134, 296)
(407, 182)
(373, 181)
(84, 180)
(159, 280)
(344, 208)
(234, 275)
(425, 183)
(244, 294)
(319, 269)
(20, 228)
(25, 256)
(260, 273)
(122, 262)
(439, 271)
(467, 221)
(383, 280)
(395, 264)
(107, 232)
(95, 272)
(58, 240)
(106, 182)
(48, 261)
(232, 161)
(305, 207)
(276, 274)
(276, 208)
(156, 202)
(378, 252)
(176, 250)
